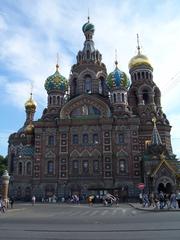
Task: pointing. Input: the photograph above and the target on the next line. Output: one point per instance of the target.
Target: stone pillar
(5, 186)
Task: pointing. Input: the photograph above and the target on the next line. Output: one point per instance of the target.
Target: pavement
(139, 206)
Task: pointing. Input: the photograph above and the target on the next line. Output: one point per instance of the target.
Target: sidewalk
(139, 206)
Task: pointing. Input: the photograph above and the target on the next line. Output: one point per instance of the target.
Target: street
(77, 222)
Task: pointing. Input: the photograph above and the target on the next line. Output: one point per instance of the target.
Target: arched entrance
(165, 188)
(169, 188)
(161, 187)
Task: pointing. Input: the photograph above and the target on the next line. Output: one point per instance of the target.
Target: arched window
(138, 75)
(123, 100)
(20, 168)
(75, 139)
(50, 167)
(135, 76)
(74, 86)
(85, 138)
(95, 166)
(114, 98)
(157, 97)
(147, 75)
(58, 100)
(28, 168)
(87, 84)
(88, 54)
(102, 85)
(121, 138)
(142, 74)
(145, 96)
(51, 140)
(85, 166)
(75, 166)
(122, 166)
(54, 100)
(50, 100)
(95, 138)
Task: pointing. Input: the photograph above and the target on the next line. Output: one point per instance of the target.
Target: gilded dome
(30, 103)
(56, 82)
(138, 60)
(118, 79)
(29, 129)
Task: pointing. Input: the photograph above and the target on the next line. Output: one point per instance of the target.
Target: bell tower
(144, 95)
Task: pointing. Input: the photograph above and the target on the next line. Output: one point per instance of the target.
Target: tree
(3, 164)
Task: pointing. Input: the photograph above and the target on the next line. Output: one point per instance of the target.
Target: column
(5, 186)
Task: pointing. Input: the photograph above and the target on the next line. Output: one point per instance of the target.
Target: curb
(153, 209)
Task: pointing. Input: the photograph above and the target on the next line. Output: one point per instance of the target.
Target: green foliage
(3, 164)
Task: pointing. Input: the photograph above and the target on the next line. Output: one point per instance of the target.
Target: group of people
(160, 200)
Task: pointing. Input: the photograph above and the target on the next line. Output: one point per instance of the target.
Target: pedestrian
(173, 200)
(11, 201)
(151, 199)
(161, 200)
(33, 200)
(145, 200)
(140, 198)
(178, 198)
(156, 201)
(2, 206)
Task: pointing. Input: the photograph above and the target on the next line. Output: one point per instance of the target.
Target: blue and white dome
(118, 79)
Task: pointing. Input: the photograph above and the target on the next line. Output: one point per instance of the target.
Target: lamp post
(5, 186)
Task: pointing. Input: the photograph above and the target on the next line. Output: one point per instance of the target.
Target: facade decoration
(96, 134)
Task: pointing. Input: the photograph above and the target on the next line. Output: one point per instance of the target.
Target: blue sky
(33, 31)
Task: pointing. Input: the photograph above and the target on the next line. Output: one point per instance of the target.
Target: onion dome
(56, 82)
(118, 79)
(88, 27)
(30, 104)
(29, 129)
(138, 60)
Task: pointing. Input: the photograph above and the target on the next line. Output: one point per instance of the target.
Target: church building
(100, 132)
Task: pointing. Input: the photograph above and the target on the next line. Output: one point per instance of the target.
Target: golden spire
(138, 45)
(57, 64)
(116, 62)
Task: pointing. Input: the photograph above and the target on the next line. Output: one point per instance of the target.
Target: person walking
(33, 200)
(178, 198)
(2, 206)
(161, 200)
(173, 200)
(11, 201)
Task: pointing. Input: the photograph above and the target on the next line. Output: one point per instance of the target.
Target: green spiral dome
(56, 82)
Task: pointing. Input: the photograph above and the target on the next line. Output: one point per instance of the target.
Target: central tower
(89, 73)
